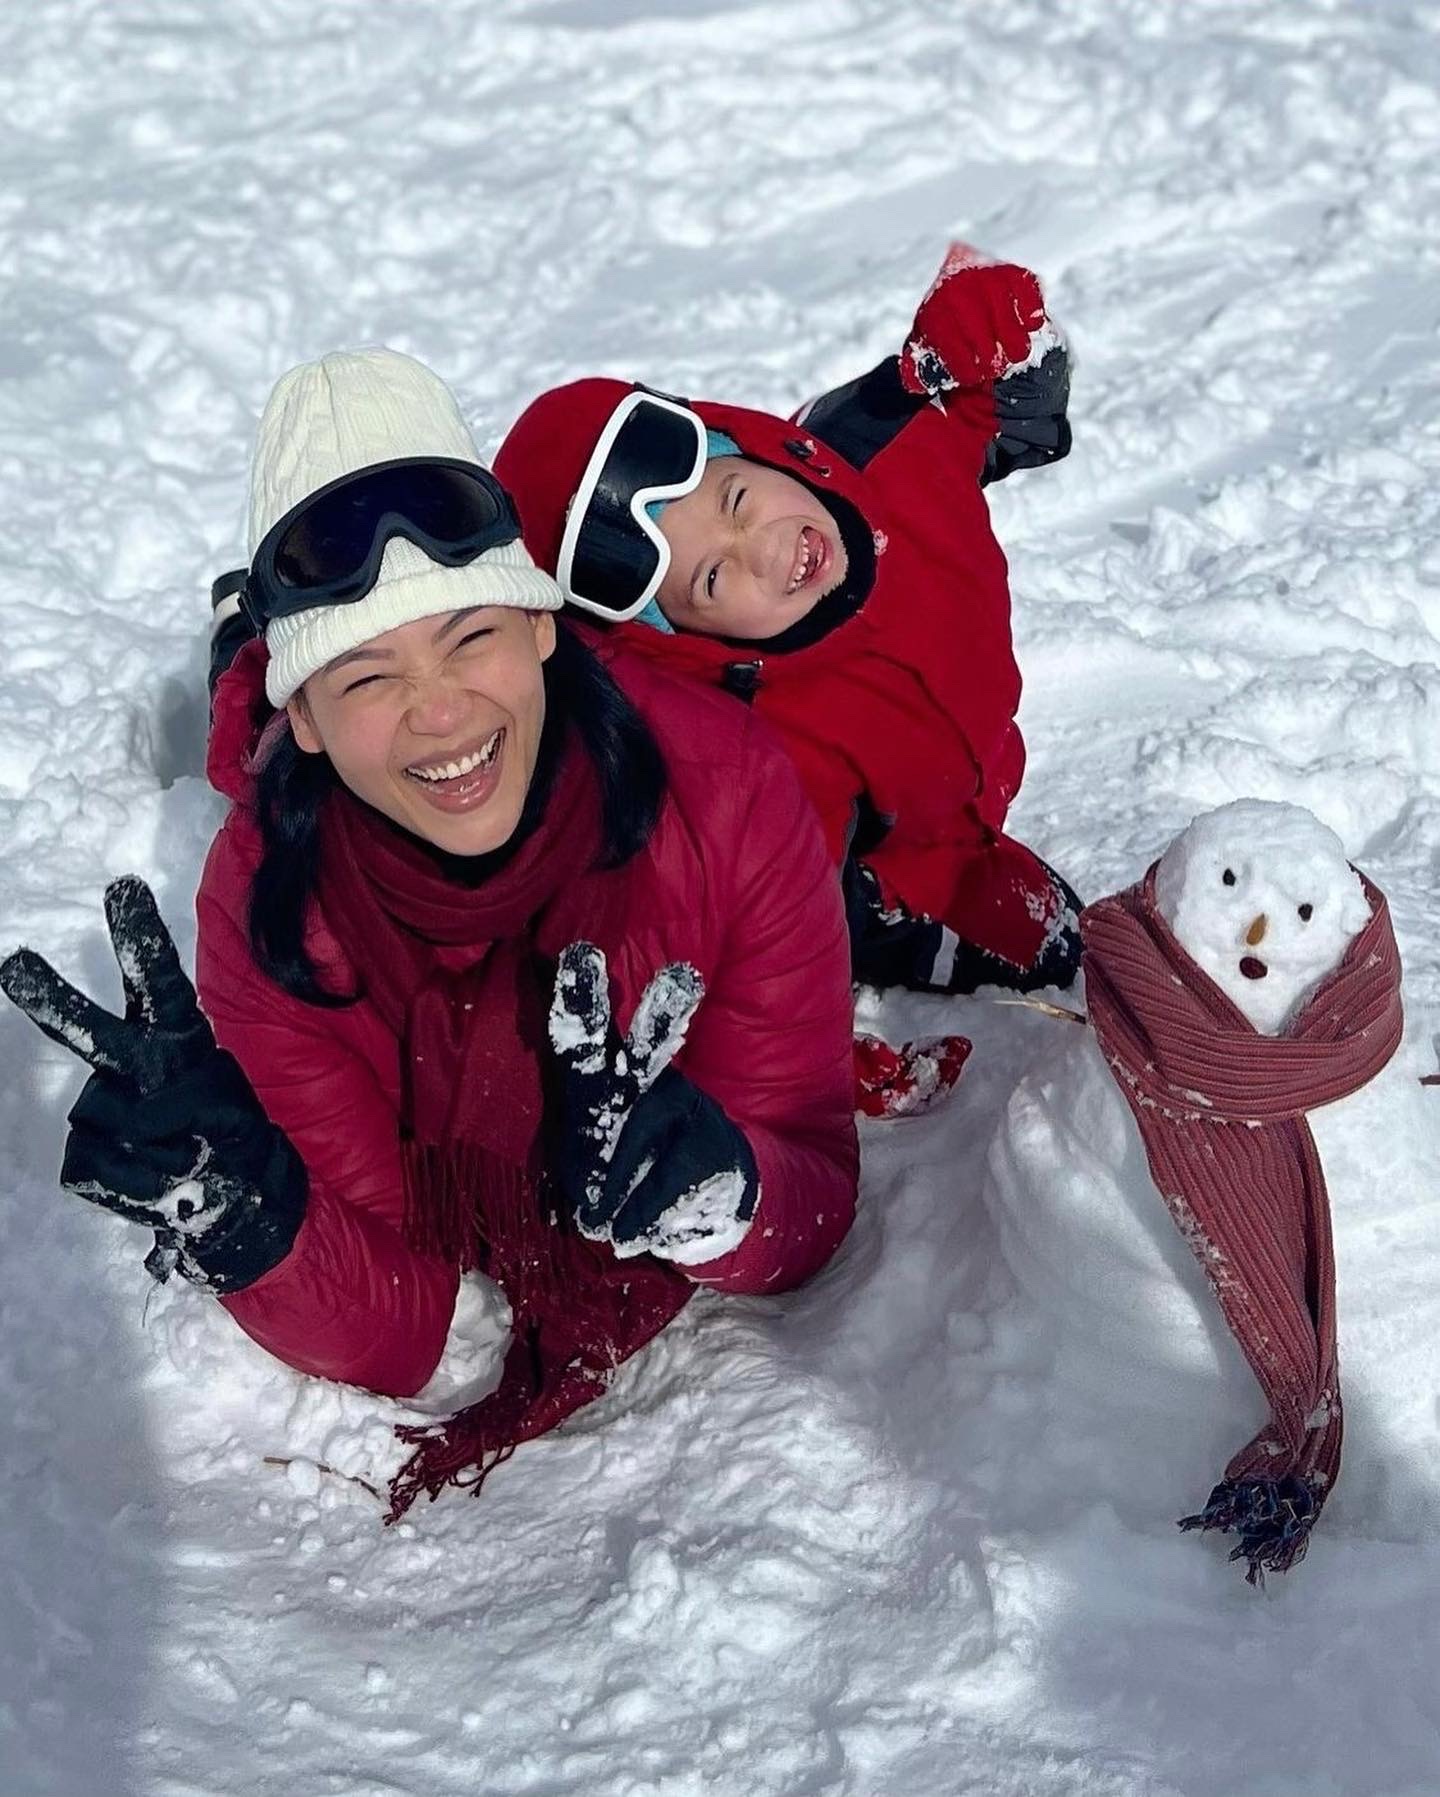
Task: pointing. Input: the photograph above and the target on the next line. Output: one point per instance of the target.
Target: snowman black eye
(1307, 911)
(1228, 876)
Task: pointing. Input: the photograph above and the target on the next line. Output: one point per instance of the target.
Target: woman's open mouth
(463, 781)
(1253, 967)
(812, 558)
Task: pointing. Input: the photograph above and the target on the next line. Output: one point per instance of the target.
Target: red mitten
(902, 1082)
(979, 320)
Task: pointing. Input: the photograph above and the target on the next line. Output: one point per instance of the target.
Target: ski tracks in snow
(811, 1546)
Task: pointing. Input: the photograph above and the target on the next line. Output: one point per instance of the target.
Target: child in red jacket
(838, 571)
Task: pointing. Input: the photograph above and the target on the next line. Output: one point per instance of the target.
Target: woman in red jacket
(515, 955)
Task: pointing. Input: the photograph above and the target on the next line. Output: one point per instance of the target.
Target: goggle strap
(227, 585)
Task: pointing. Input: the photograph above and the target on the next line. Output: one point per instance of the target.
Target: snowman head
(1262, 898)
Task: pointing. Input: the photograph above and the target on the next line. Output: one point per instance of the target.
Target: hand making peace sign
(649, 1163)
(167, 1131)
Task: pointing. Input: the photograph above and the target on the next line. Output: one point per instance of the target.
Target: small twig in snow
(1043, 1004)
(320, 1466)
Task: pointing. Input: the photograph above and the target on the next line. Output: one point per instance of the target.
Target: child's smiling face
(751, 552)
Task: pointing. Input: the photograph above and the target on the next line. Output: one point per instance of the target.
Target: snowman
(1149, 1389)
(1263, 899)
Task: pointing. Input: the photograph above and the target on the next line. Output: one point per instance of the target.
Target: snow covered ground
(816, 1546)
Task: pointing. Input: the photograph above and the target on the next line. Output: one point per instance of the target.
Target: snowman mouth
(1253, 967)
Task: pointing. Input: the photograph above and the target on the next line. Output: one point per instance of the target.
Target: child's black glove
(1031, 427)
(647, 1162)
(167, 1131)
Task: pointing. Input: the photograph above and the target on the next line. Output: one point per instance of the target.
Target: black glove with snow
(891, 946)
(1031, 427)
(167, 1131)
(647, 1161)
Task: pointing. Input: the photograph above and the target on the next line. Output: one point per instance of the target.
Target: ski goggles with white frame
(613, 555)
(328, 549)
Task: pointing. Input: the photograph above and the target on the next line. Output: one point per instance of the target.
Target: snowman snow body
(1147, 1382)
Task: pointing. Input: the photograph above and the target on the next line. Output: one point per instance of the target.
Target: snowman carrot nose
(1255, 935)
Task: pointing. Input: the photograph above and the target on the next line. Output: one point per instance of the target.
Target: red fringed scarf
(1221, 1111)
(462, 975)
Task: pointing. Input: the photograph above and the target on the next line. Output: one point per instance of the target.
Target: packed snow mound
(1148, 1392)
(1262, 898)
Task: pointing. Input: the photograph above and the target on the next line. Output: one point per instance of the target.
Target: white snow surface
(851, 1540)
(1261, 897)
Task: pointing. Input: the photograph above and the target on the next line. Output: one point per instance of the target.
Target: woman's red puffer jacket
(739, 885)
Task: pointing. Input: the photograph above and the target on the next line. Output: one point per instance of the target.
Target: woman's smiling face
(751, 552)
(437, 723)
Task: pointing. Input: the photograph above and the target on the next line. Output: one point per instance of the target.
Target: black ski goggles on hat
(328, 549)
(613, 556)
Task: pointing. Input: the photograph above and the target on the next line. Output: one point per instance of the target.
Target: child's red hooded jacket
(903, 715)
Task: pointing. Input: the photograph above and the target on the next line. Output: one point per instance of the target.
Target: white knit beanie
(348, 411)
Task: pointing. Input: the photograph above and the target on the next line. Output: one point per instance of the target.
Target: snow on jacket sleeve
(351, 1301)
(771, 1041)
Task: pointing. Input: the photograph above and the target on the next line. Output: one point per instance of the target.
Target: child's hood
(241, 720)
(545, 454)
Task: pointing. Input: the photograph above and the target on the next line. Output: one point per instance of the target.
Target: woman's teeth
(467, 764)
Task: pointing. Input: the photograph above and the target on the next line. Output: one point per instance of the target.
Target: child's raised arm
(982, 349)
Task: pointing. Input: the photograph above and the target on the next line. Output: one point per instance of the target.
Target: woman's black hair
(293, 787)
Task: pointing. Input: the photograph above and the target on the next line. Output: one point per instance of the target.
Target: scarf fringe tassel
(1273, 1518)
(442, 1199)
(466, 1448)
(576, 1311)
(437, 1462)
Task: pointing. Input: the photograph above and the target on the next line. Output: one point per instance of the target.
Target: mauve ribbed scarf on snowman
(1221, 1111)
